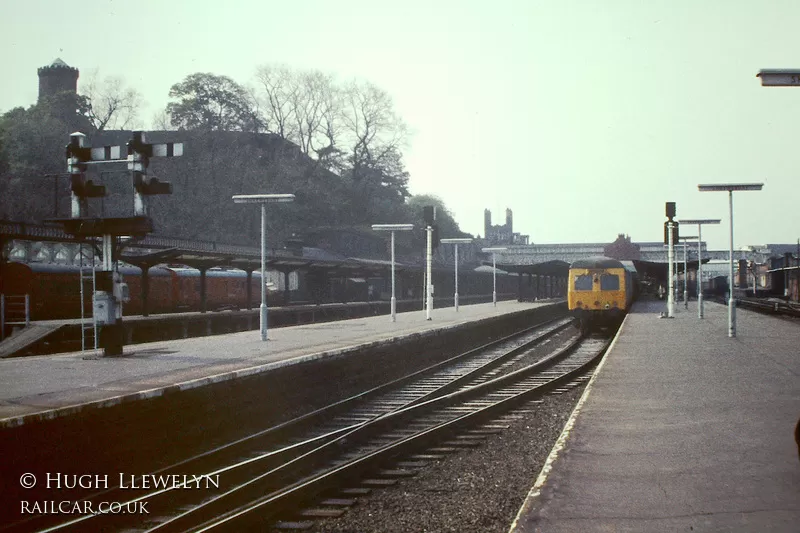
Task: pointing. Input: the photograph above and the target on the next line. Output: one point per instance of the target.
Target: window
(609, 282)
(583, 282)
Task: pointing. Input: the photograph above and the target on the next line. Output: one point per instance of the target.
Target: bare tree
(352, 131)
(112, 105)
(373, 129)
(160, 121)
(330, 155)
(279, 86)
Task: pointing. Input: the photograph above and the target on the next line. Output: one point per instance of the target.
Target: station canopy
(548, 268)
(659, 271)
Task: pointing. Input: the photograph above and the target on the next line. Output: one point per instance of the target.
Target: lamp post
(392, 228)
(456, 242)
(263, 199)
(700, 222)
(686, 269)
(730, 187)
(494, 270)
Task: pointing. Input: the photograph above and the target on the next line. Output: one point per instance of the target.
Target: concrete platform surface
(681, 429)
(39, 387)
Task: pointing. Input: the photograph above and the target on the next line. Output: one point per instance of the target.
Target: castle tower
(57, 77)
(509, 220)
(487, 223)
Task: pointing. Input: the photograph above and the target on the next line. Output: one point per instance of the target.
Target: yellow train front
(601, 291)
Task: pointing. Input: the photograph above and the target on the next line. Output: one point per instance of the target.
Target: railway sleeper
(293, 525)
(338, 502)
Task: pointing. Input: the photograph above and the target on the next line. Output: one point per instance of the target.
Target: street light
(456, 242)
(779, 77)
(700, 222)
(494, 270)
(685, 270)
(263, 199)
(730, 187)
(393, 228)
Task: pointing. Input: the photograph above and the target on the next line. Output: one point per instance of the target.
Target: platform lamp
(730, 187)
(494, 270)
(686, 268)
(263, 199)
(700, 223)
(392, 228)
(455, 242)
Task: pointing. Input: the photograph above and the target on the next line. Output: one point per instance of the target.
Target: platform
(681, 429)
(43, 387)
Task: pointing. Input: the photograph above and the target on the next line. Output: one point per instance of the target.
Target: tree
(208, 102)
(111, 105)
(160, 121)
(279, 85)
(70, 111)
(376, 135)
(32, 146)
(448, 227)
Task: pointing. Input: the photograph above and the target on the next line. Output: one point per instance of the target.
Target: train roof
(68, 269)
(597, 262)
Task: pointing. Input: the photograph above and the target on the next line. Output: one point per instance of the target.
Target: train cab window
(583, 282)
(609, 282)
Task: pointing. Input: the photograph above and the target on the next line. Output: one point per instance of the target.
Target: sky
(583, 117)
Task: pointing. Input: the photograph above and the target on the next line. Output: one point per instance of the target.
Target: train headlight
(607, 306)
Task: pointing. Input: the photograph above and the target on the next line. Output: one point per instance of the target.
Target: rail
(774, 307)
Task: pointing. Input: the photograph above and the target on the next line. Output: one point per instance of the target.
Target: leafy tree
(66, 112)
(448, 227)
(32, 146)
(208, 102)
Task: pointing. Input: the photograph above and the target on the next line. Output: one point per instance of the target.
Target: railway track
(770, 307)
(451, 419)
(279, 468)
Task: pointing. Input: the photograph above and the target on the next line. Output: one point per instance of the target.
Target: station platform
(680, 429)
(45, 387)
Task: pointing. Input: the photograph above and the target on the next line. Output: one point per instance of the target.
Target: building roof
(597, 262)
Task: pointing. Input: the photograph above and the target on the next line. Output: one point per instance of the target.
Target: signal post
(432, 242)
(670, 239)
(111, 291)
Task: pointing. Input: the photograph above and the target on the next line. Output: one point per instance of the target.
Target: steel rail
(330, 467)
(318, 420)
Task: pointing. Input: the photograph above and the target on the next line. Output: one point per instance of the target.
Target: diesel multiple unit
(600, 290)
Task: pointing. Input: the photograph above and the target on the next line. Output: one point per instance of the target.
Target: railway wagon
(55, 290)
(601, 291)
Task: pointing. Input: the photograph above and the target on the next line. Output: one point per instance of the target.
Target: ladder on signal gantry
(88, 281)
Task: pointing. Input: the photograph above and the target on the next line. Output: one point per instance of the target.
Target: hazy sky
(584, 117)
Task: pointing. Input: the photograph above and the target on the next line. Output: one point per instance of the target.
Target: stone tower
(56, 78)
